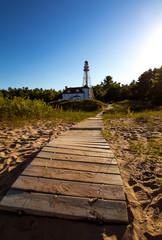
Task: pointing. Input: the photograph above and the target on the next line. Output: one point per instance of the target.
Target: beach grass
(142, 130)
(19, 111)
(120, 110)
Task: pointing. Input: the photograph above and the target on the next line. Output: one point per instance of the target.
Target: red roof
(74, 90)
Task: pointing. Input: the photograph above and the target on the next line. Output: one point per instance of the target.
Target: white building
(79, 93)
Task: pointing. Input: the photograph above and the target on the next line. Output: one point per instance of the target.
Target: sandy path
(135, 146)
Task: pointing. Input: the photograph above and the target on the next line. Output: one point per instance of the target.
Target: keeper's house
(76, 93)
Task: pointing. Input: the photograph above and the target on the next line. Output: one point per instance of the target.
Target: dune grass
(142, 130)
(121, 109)
(19, 111)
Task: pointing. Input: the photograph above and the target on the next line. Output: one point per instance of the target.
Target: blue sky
(44, 43)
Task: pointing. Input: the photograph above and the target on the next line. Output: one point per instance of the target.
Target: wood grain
(70, 188)
(76, 156)
(65, 207)
(65, 174)
(74, 165)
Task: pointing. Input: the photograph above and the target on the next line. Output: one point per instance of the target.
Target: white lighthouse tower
(86, 80)
(86, 70)
(80, 93)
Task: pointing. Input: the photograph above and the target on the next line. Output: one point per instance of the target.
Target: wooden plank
(70, 188)
(78, 148)
(74, 165)
(73, 175)
(88, 152)
(65, 207)
(95, 138)
(81, 137)
(77, 139)
(55, 142)
(78, 143)
(81, 158)
(76, 152)
(81, 145)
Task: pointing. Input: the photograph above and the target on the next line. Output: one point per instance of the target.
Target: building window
(77, 90)
(68, 91)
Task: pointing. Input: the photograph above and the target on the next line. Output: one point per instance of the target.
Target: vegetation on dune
(86, 105)
(122, 120)
(18, 109)
(139, 110)
(23, 108)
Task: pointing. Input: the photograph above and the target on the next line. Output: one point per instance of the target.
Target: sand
(18, 146)
(141, 173)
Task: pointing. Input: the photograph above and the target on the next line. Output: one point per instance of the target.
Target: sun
(151, 56)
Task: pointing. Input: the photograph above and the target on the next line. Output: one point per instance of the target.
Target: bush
(86, 105)
(23, 108)
(19, 110)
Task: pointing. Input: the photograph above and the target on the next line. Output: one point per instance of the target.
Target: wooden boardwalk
(75, 176)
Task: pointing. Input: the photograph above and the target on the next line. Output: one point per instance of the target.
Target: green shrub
(18, 109)
(86, 105)
(140, 111)
(23, 108)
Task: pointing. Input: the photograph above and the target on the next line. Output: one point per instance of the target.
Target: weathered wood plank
(78, 141)
(74, 165)
(75, 158)
(65, 207)
(81, 154)
(78, 145)
(73, 175)
(96, 153)
(81, 138)
(76, 148)
(70, 188)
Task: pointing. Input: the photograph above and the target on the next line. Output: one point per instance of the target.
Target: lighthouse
(79, 93)
(86, 70)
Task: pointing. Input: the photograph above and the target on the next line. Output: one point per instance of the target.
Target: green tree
(144, 85)
(156, 89)
(107, 82)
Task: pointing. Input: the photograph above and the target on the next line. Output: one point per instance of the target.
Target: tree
(156, 89)
(144, 85)
(107, 82)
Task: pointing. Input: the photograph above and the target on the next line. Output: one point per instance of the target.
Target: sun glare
(152, 52)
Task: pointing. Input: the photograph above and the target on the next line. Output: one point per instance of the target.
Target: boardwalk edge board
(65, 207)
